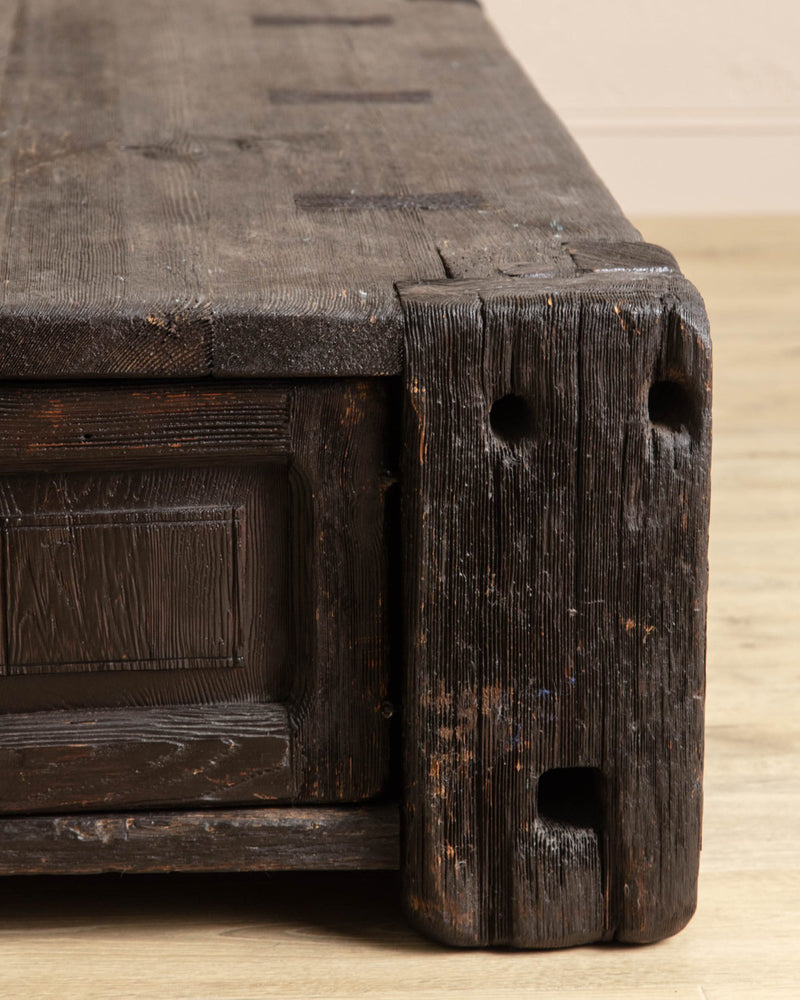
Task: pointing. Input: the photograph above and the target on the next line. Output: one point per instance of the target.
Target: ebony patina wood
(194, 188)
(250, 254)
(194, 594)
(555, 595)
(217, 840)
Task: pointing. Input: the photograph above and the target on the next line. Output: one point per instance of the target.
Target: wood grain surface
(216, 840)
(135, 758)
(188, 558)
(555, 488)
(556, 446)
(342, 935)
(194, 188)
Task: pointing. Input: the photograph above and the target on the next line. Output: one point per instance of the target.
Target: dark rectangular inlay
(300, 20)
(435, 202)
(349, 96)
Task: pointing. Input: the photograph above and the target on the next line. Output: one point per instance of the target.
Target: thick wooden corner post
(557, 442)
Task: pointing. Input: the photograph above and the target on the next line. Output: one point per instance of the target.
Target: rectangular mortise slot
(572, 796)
(437, 201)
(327, 20)
(349, 96)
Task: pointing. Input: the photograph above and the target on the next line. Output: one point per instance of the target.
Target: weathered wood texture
(272, 839)
(194, 188)
(555, 487)
(343, 462)
(138, 758)
(122, 425)
(182, 566)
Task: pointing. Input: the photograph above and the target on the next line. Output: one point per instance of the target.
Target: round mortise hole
(669, 405)
(511, 419)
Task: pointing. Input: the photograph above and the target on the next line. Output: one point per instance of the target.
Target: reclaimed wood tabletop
(170, 175)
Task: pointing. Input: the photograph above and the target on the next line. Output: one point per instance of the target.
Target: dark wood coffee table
(354, 455)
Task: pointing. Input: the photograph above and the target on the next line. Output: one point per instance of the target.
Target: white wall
(682, 106)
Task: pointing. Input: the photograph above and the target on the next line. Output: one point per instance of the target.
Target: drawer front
(193, 594)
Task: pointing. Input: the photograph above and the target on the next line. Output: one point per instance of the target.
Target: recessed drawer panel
(164, 586)
(193, 593)
(132, 590)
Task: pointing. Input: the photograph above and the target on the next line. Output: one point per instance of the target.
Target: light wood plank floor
(333, 935)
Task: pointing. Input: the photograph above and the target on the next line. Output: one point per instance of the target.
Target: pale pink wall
(688, 106)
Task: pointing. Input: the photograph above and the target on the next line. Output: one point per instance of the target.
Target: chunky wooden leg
(557, 446)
